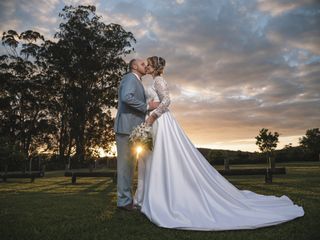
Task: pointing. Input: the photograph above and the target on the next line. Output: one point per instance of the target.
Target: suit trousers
(144, 164)
(125, 170)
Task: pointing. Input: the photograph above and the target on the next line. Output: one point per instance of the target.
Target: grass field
(53, 208)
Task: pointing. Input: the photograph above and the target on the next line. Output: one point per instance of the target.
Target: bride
(178, 188)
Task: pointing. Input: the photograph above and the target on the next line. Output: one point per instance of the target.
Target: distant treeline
(289, 154)
(214, 157)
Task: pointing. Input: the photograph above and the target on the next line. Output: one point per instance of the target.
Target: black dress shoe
(128, 207)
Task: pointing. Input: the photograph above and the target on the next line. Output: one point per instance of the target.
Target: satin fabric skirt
(180, 189)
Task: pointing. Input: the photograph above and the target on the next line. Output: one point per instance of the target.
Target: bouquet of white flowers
(141, 136)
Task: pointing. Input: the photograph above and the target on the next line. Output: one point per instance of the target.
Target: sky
(233, 66)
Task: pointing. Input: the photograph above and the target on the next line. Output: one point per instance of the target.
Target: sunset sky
(233, 66)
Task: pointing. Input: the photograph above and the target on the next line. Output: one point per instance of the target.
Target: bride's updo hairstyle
(158, 63)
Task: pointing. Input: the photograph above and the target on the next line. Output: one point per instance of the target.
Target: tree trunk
(5, 169)
(29, 139)
(268, 160)
(30, 165)
(68, 158)
(61, 147)
(226, 164)
(80, 145)
(79, 124)
(268, 176)
(273, 162)
(25, 164)
(62, 135)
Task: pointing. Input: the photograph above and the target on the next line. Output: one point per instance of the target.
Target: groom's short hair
(131, 64)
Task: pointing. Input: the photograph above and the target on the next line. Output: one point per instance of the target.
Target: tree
(88, 58)
(267, 143)
(23, 92)
(311, 142)
(58, 95)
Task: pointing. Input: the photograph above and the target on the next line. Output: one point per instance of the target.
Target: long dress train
(182, 190)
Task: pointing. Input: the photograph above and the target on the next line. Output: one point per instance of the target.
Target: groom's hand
(153, 105)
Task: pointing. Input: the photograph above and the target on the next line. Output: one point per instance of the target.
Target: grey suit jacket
(132, 106)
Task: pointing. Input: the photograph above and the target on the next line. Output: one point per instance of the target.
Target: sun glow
(139, 150)
(111, 153)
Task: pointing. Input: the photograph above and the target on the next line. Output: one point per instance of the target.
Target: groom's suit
(132, 109)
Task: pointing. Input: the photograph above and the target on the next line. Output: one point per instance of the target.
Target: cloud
(30, 14)
(298, 28)
(233, 67)
(276, 8)
(81, 2)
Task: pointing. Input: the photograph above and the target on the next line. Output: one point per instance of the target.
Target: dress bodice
(151, 94)
(159, 92)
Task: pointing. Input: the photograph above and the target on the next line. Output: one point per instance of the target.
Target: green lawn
(53, 208)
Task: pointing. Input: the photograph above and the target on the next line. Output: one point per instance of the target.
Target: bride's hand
(153, 105)
(150, 120)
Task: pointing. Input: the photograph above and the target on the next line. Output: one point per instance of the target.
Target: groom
(132, 109)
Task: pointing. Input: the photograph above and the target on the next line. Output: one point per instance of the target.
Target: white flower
(141, 135)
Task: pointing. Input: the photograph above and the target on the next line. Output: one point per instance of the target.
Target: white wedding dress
(178, 188)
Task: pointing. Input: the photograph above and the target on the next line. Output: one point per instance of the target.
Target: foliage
(267, 143)
(24, 116)
(88, 57)
(311, 142)
(56, 96)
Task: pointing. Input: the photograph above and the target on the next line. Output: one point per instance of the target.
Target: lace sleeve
(162, 90)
